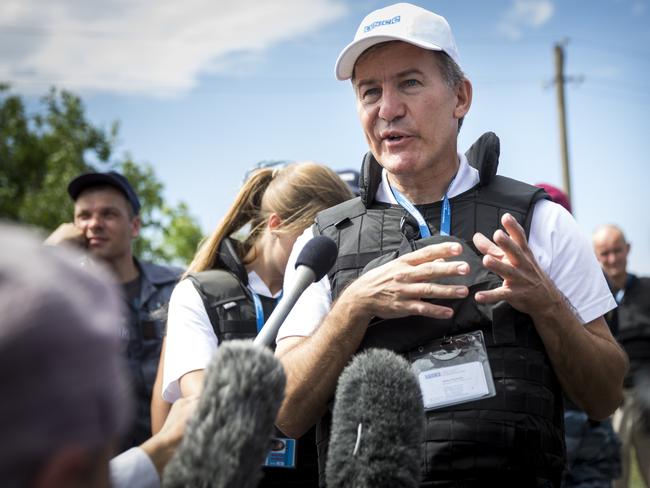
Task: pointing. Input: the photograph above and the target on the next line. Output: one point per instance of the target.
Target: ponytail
(247, 208)
(296, 193)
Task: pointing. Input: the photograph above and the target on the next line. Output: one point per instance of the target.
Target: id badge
(282, 453)
(453, 370)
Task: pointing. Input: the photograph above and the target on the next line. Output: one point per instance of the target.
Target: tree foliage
(41, 153)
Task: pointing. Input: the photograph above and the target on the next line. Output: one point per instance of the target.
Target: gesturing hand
(525, 285)
(397, 288)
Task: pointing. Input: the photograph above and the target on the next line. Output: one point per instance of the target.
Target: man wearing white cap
(458, 269)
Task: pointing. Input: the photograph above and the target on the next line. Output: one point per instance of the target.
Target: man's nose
(392, 106)
(94, 222)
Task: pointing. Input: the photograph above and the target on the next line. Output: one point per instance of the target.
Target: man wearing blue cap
(486, 286)
(106, 221)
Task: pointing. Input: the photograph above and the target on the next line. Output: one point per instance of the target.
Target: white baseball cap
(398, 22)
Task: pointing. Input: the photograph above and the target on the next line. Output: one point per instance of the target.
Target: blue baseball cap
(110, 178)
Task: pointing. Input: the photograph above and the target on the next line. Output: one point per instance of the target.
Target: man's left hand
(525, 285)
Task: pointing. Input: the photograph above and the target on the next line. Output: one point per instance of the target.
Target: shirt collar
(256, 285)
(466, 178)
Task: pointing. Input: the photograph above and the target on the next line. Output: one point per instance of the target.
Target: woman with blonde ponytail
(240, 267)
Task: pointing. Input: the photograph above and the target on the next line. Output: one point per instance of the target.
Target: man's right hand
(67, 233)
(399, 288)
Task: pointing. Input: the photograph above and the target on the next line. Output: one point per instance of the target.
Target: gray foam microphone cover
(229, 436)
(378, 391)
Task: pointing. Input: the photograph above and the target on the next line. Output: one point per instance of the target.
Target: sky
(204, 89)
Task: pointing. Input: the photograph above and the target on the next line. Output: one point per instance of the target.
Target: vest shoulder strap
(228, 259)
(484, 156)
(217, 287)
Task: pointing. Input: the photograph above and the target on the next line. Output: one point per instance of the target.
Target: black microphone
(229, 436)
(314, 261)
(377, 424)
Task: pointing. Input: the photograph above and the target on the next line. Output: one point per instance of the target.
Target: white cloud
(158, 48)
(523, 14)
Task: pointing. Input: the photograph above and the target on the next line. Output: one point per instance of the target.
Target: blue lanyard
(259, 310)
(445, 214)
(445, 217)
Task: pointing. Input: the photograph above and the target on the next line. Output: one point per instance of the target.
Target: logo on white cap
(399, 22)
(377, 23)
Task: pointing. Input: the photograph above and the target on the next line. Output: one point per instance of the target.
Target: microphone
(377, 424)
(229, 436)
(314, 261)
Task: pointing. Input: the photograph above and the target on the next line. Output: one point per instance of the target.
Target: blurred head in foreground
(65, 396)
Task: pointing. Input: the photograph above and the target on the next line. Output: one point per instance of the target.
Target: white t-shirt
(555, 240)
(191, 341)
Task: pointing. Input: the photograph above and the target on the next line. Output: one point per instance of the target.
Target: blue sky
(203, 89)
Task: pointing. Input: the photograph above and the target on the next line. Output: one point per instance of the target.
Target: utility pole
(560, 80)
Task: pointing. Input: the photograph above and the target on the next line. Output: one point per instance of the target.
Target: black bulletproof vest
(514, 438)
(227, 299)
(631, 321)
(230, 307)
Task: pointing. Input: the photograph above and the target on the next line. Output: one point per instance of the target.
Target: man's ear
(136, 225)
(464, 98)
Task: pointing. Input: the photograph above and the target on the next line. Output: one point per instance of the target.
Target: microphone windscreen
(229, 436)
(377, 424)
(319, 254)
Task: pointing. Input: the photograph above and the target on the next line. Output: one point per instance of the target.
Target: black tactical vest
(227, 299)
(631, 322)
(230, 307)
(515, 438)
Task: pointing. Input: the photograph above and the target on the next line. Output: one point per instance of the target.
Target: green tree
(40, 153)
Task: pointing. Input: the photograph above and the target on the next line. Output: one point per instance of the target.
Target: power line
(619, 50)
(638, 88)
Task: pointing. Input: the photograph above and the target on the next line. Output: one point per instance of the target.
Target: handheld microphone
(229, 436)
(314, 261)
(377, 424)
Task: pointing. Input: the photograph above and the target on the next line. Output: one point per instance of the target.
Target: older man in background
(631, 324)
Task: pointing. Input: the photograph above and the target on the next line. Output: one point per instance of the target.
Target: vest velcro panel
(228, 303)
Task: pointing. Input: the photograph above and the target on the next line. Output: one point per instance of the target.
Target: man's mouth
(393, 136)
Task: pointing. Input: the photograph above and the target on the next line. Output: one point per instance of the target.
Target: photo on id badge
(282, 453)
